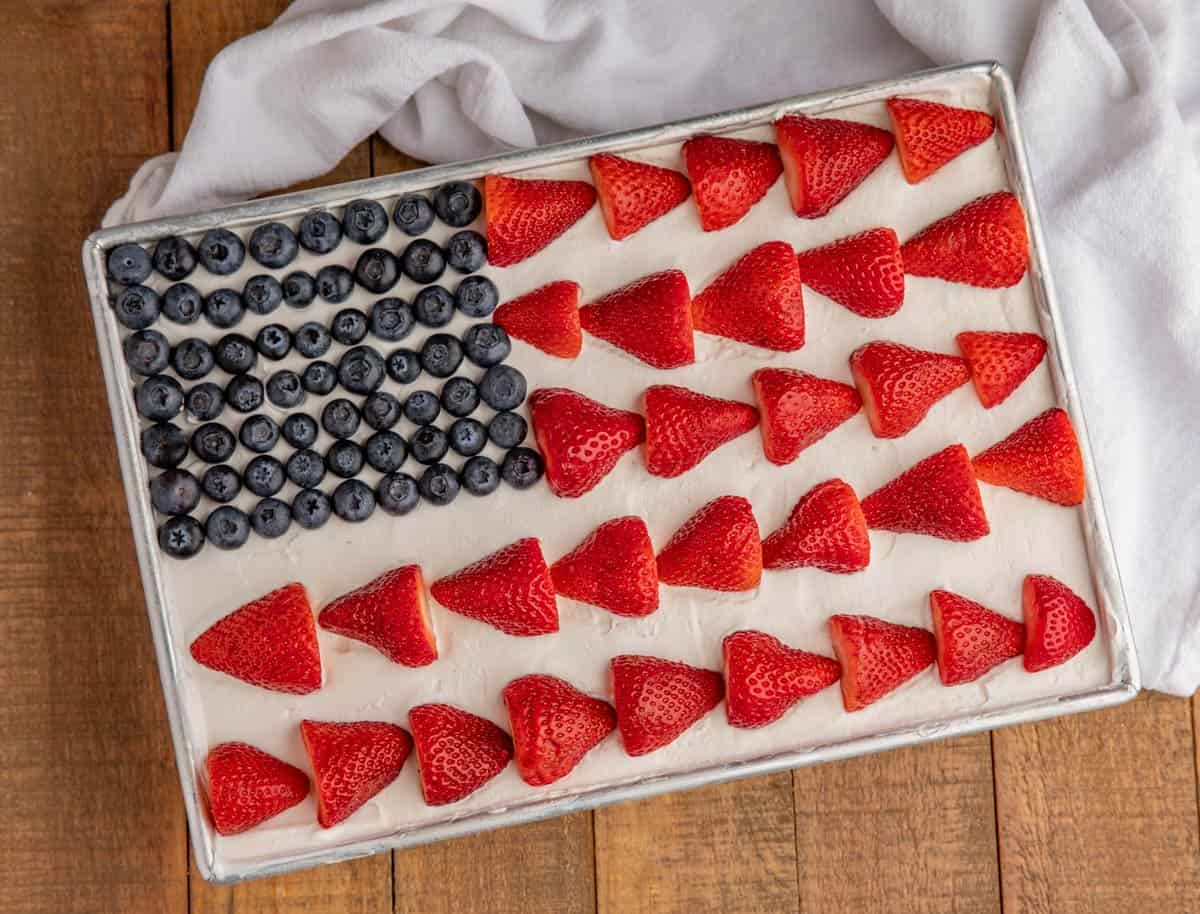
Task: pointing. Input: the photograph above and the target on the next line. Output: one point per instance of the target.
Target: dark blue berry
(403, 366)
(460, 396)
(182, 304)
(213, 443)
(227, 527)
(271, 518)
(433, 306)
(181, 537)
(334, 283)
(163, 445)
(312, 340)
(439, 484)
(137, 307)
(244, 393)
(285, 390)
(364, 221)
(522, 467)
(441, 355)
(299, 289)
(274, 341)
(129, 264)
(429, 444)
(221, 483)
(392, 319)
(457, 203)
(311, 508)
(353, 501)
(235, 353)
(259, 433)
(224, 308)
(413, 214)
(305, 468)
(385, 451)
(477, 296)
(423, 261)
(466, 251)
(344, 459)
(174, 258)
(480, 475)
(507, 429)
(340, 418)
(147, 352)
(486, 345)
(192, 359)
(159, 398)
(205, 401)
(361, 370)
(397, 493)
(319, 378)
(349, 326)
(320, 232)
(273, 245)
(300, 430)
(376, 270)
(502, 387)
(422, 407)
(264, 475)
(262, 294)
(221, 252)
(381, 410)
(468, 437)
(174, 491)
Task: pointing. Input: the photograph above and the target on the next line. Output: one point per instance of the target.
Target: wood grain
(360, 886)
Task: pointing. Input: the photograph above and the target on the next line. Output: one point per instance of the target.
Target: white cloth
(1110, 98)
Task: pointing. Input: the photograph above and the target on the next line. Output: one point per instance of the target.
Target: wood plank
(356, 887)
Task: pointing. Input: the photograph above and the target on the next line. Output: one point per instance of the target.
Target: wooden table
(1091, 814)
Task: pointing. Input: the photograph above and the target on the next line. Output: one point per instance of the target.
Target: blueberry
(502, 387)
(353, 501)
(271, 518)
(441, 355)
(477, 296)
(224, 308)
(397, 493)
(507, 429)
(129, 263)
(319, 378)
(422, 407)
(300, 430)
(413, 214)
(227, 527)
(235, 353)
(163, 445)
(468, 437)
(311, 508)
(182, 304)
(340, 418)
(146, 352)
(174, 258)
(259, 433)
(264, 475)
(181, 537)
(466, 251)
(381, 410)
(262, 294)
(305, 468)
(192, 359)
(312, 340)
(439, 484)
(320, 232)
(221, 483)
(459, 397)
(285, 390)
(344, 459)
(423, 261)
(274, 341)
(349, 326)
(385, 451)
(159, 398)
(299, 289)
(522, 467)
(457, 203)
(364, 221)
(174, 492)
(244, 393)
(213, 443)
(137, 307)
(392, 319)
(334, 283)
(486, 345)
(480, 475)
(361, 370)
(403, 366)
(273, 245)
(429, 444)
(376, 270)
(434, 306)
(221, 252)
(205, 402)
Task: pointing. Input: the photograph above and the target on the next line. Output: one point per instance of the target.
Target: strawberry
(457, 752)
(580, 440)
(899, 384)
(825, 530)
(270, 642)
(971, 639)
(1058, 624)
(246, 787)
(759, 300)
(824, 159)
(1040, 458)
(650, 319)
(799, 409)
(389, 614)
(877, 657)
(683, 427)
(510, 590)
(352, 762)
(634, 194)
(999, 362)
(928, 134)
(614, 568)
(764, 677)
(937, 496)
(554, 726)
(728, 177)
(863, 272)
(547, 318)
(658, 699)
(982, 244)
(523, 216)
(717, 548)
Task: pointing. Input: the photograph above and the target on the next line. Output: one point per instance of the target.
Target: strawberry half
(523, 216)
(658, 699)
(389, 614)
(863, 273)
(1058, 624)
(764, 677)
(728, 177)
(825, 530)
(971, 639)
(899, 384)
(718, 548)
(614, 568)
(634, 194)
(650, 319)
(999, 362)
(982, 244)
(1041, 458)
(580, 440)
(457, 752)
(877, 657)
(270, 642)
(246, 786)
(510, 590)
(929, 134)
(825, 159)
(799, 409)
(554, 726)
(352, 762)
(683, 427)
(759, 300)
(937, 496)
(547, 318)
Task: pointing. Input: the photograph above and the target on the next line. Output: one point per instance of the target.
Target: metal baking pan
(1114, 627)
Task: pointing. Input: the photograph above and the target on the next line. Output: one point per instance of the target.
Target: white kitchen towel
(1109, 92)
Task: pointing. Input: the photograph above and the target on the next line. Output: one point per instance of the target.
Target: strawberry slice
(580, 440)
(718, 548)
(799, 409)
(554, 726)
(825, 159)
(899, 384)
(634, 194)
(658, 699)
(825, 530)
(877, 657)
(929, 134)
(683, 427)
(523, 216)
(1058, 624)
(728, 176)
(1041, 458)
(352, 763)
(270, 642)
(764, 677)
(982, 244)
(863, 273)
(457, 752)
(614, 568)
(650, 319)
(246, 786)
(389, 614)
(510, 590)
(971, 639)
(759, 300)
(937, 496)
(547, 318)
(999, 362)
